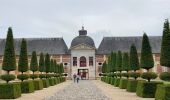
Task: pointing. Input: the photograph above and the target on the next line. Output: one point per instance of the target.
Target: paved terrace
(84, 90)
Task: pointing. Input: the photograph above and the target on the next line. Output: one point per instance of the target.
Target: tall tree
(41, 63)
(104, 67)
(47, 63)
(113, 68)
(165, 47)
(125, 62)
(23, 58)
(34, 63)
(146, 60)
(134, 61)
(9, 61)
(52, 66)
(119, 61)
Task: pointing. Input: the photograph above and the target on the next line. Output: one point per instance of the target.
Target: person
(78, 77)
(74, 76)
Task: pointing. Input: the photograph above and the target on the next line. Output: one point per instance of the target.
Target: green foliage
(47, 63)
(23, 58)
(9, 61)
(119, 61)
(117, 82)
(125, 75)
(27, 86)
(22, 77)
(61, 69)
(146, 60)
(147, 89)
(41, 76)
(162, 92)
(51, 81)
(125, 62)
(131, 85)
(41, 63)
(165, 46)
(112, 81)
(111, 62)
(10, 91)
(38, 84)
(52, 65)
(149, 75)
(135, 75)
(46, 83)
(123, 83)
(34, 63)
(104, 67)
(165, 76)
(33, 76)
(134, 61)
(8, 77)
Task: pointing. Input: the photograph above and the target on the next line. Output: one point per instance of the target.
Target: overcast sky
(101, 18)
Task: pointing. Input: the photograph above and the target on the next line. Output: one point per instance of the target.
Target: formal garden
(123, 69)
(45, 72)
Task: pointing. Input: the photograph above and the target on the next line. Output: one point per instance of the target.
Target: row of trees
(45, 64)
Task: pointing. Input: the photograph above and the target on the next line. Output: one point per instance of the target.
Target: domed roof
(83, 39)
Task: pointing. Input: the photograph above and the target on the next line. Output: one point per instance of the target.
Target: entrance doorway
(84, 73)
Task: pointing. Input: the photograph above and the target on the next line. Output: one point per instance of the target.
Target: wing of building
(83, 57)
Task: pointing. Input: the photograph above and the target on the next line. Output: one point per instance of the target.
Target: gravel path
(84, 90)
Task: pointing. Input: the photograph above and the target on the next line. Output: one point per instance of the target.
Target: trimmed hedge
(51, 81)
(123, 83)
(22, 77)
(27, 86)
(117, 82)
(131, 85)
(162, 92)
(8, 77)
(165, 76)
(10, 91)
(38, 84)
(112, 81)
(46, 83)
(147, 89)
(55, 80)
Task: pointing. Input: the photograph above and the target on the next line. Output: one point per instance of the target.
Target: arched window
(82, 61)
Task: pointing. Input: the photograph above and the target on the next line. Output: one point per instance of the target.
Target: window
(100, 63)
(65, 64)
(90, 61)
(82, 61)
(74, 61)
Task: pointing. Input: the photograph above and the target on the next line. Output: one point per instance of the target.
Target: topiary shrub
(38, 84)
(117, 82)
(165, 76)
(162, 92)
(33, 76)
(125, 75)
(10, 91)
(41, 76)
(46, 83)
(23, 77)
(131, 85)
(135, 75)
(123, 83)
(147, 89)
(149, 75)
(112, 81)
(51, 81)
(55, 81)
(8, 77)
(27, 86)
(48, 76)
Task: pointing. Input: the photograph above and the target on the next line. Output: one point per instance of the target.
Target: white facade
(79, 51)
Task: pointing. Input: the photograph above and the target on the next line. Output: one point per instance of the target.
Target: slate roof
(82, 39)
(109, 44)
(45, 45)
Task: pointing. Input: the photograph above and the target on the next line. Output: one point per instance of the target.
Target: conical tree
(52, 66)
(23, 58)
(165, 47)
(34, 63)
(41, 63)
(119, 61)
(9, 61)
(134, 61)
(104, 66)
(113, 67)
(146, 60)
(47, 63)
(125, 62)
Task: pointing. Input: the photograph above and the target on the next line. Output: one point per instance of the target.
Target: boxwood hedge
(117, 82)
(163, 92)
(46, 83)
(123, 83)
(147, 89)
(27, 86)
(131, 85)
(10, 91)
(112, 81)
(51, 81)
(38, 84)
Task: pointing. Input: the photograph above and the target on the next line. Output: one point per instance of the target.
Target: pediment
(83, 47)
